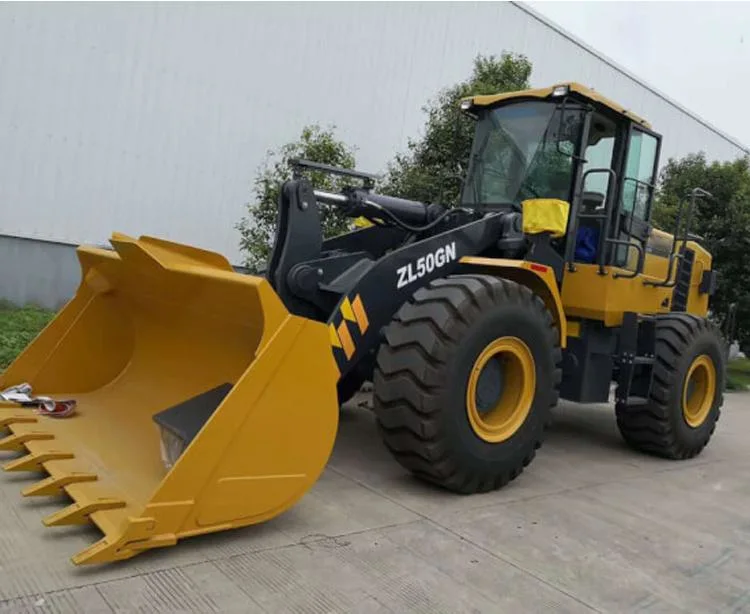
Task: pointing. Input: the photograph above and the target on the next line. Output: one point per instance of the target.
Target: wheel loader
(207, 399)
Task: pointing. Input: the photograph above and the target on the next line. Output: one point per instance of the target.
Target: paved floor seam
(564, 491)
(524, 499)
(485, 550)
(573, 489)
(303, 542)
(418, 548)
(480, 506)
(239, 586)
(517, 566)
(104, 597)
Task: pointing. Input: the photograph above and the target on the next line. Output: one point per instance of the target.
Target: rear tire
(427, 412)
(686, 394)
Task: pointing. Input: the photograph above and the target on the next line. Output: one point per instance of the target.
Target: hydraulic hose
(409, 214)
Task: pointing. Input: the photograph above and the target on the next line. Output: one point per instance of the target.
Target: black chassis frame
(382, 265)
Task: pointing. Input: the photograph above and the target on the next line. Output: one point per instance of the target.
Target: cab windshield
(521, 151)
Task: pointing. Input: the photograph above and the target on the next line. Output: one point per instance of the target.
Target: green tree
(258, 227)
(428, 171)
(723, 221)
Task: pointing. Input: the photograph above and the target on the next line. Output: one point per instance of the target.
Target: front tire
(465, 380)
(686, 394)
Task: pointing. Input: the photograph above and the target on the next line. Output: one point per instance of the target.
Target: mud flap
(202, 403)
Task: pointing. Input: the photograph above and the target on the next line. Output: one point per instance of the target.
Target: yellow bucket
(186, 421)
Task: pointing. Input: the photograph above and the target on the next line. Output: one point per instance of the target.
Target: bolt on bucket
(202, 404)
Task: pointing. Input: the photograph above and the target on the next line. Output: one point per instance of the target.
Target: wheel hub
(501, 389)
(699, 391)
(490, 384)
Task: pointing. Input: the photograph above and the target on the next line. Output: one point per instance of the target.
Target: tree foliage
(723, 221)
(258, 227)
(428, 171)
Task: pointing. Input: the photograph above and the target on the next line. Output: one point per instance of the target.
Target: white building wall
(153, 118)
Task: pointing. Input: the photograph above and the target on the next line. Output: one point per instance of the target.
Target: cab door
(632, 222)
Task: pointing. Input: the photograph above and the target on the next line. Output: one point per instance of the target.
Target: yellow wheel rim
(505, 366)
(699, 390)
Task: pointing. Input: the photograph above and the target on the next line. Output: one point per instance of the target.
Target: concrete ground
(589, 526)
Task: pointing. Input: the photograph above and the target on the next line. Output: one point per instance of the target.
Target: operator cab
(567, 143)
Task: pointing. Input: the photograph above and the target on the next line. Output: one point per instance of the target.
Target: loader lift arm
(357, 281)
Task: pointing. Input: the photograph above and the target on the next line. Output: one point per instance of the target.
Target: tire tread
(406, 403)
(650, 428)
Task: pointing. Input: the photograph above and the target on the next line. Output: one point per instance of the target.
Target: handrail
(297, 164)
(641, 258)
(668, 282)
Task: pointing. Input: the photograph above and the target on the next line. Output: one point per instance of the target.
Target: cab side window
(637, 189)
(637, 194)
(599, 154)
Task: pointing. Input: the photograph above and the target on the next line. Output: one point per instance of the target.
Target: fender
(539, 278)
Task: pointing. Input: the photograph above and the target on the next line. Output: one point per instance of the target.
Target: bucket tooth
(106, 551)
(34, 462)
(102, 551)
(16, 443)
(78, 513)
(52, 486)
(6, 421)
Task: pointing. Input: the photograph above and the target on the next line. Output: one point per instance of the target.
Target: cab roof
(550, 92)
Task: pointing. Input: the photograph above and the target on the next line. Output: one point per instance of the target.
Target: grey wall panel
(153, 118)
(37, 272)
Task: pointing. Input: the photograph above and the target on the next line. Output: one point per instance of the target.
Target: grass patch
(18, 327)
(738, 374)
